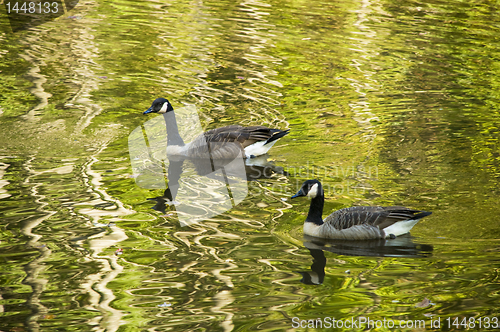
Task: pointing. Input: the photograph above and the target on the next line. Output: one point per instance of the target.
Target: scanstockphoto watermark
(202, 188)
(336, 179)
(311, 171)
(348, 187)
(361, 323)
(199, 188)
(366, 323)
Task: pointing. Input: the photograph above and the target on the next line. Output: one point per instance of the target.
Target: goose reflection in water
(401, 247)
(223, 170)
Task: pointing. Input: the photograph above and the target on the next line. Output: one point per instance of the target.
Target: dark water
(388, 103)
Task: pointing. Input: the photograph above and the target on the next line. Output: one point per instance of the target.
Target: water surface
(388, 103)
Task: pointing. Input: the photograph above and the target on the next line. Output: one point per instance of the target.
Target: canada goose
(358, 222)
(223, 143)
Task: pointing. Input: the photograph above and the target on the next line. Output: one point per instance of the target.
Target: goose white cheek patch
(164, 108)
(313, 192)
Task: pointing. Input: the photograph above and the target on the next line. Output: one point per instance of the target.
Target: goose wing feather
(378, 216)
(243, 135)
(219, 140)
(220, 148)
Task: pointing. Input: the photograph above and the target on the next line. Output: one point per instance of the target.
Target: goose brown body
(227, 142)
(356, 223)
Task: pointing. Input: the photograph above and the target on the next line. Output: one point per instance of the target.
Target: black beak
(299, 193)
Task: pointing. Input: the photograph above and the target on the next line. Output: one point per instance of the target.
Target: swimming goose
(223, 143)
(358, 222)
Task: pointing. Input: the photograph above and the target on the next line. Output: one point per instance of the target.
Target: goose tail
(277, 134)
(421, 214)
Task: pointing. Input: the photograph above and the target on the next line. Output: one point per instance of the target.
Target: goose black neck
(319, 263)
(316, 209)
(173, 136)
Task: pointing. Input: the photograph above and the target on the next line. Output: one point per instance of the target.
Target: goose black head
(310, 188)
(160, 105)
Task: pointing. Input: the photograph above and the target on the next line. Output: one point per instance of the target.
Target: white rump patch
(164, 108)
(400, 227)
(258, 148)
(313, 192)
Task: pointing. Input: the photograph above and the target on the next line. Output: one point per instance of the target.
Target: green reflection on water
(387, 102)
